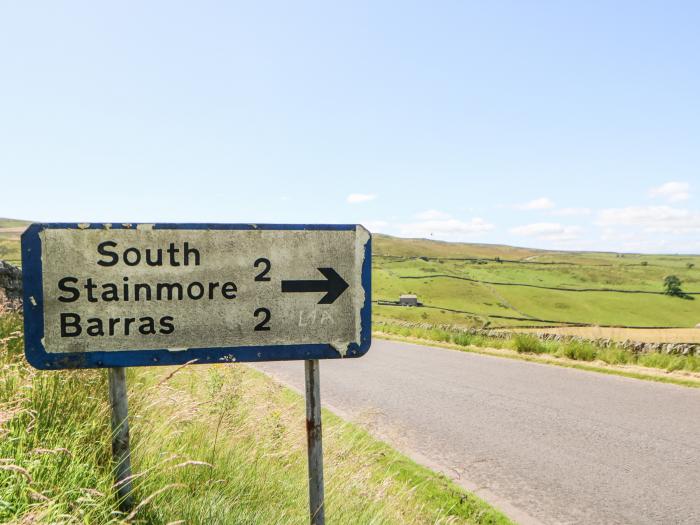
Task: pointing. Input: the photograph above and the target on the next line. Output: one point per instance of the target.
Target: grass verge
(210, 444)
(571, 354)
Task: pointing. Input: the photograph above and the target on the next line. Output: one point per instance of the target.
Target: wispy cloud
(570, 212)
(548, 231)
(429, 215)
(543, 203)
(375, 226)
(671, 191)
(652, 219)
(446, 228)
(356, 198)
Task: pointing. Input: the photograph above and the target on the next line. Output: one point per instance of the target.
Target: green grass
(54, 441)
(10, 251)
(210, 444)
(9, 241)
(582, 351)
(670, 362)
(528, 344)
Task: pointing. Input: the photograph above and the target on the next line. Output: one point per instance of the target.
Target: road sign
(115, 295)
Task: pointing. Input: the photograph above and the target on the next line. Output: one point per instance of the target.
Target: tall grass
(249, 434)
(54, 441)
(460, 338)
(578, 350)
(218, 444)
(670, 362)
(525, 343)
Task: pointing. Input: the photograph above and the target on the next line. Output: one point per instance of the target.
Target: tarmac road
(542, 443)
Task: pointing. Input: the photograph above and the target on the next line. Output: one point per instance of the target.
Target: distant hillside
(387, 245)
(396, 246)
(478, 284)
(13, 223)
(10, 232)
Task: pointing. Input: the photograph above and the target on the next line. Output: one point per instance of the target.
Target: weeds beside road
(576, 354)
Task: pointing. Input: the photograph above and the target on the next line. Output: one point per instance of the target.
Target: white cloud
(447, 229)
(653, 219)
(611, 234)
(355, 198)
(570, 212)
(543, 203)
(430, 215)
(672, 191)
(548, 231)
(634, 240)
(375, 226)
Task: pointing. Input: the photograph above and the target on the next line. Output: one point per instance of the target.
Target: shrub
(443, 336)
(614, 356)
(462, 339)
(578, 350)
(525, 343)
(672, 286)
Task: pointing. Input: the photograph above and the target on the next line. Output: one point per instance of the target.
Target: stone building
(409, 300)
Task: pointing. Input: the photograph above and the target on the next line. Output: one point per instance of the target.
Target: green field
(507, 282)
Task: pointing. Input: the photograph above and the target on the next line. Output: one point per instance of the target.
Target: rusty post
(121, 451)
(313, 438)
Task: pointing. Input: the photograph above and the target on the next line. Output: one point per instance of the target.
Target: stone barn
(408, 300)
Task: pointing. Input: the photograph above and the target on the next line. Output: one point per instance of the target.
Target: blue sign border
(34, 312)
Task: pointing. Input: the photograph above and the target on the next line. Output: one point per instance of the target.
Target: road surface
(544, 444)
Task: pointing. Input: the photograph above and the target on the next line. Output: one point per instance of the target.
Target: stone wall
(10, 287)
(632, 346)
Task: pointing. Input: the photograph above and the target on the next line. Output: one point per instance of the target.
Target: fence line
(532, 319)
(614, 290)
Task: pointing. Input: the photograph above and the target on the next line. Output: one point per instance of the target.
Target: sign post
(121, 451)
(314, 442)
(120, 295)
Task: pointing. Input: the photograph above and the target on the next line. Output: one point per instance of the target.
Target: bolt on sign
(116, 295)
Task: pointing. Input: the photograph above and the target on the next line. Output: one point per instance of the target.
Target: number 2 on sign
(262, 276)
(262, 325)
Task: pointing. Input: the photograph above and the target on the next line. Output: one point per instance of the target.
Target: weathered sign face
(98, 295)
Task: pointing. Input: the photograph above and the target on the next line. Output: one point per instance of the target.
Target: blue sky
(545, 124)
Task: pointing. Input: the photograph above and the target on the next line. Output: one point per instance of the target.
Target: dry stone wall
(632, 346)
(10, 287)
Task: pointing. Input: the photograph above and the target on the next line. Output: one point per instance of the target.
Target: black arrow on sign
(333, 285)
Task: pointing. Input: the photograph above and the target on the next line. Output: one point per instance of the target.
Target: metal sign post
(121, 451)
(314, 442)
(119, 295)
